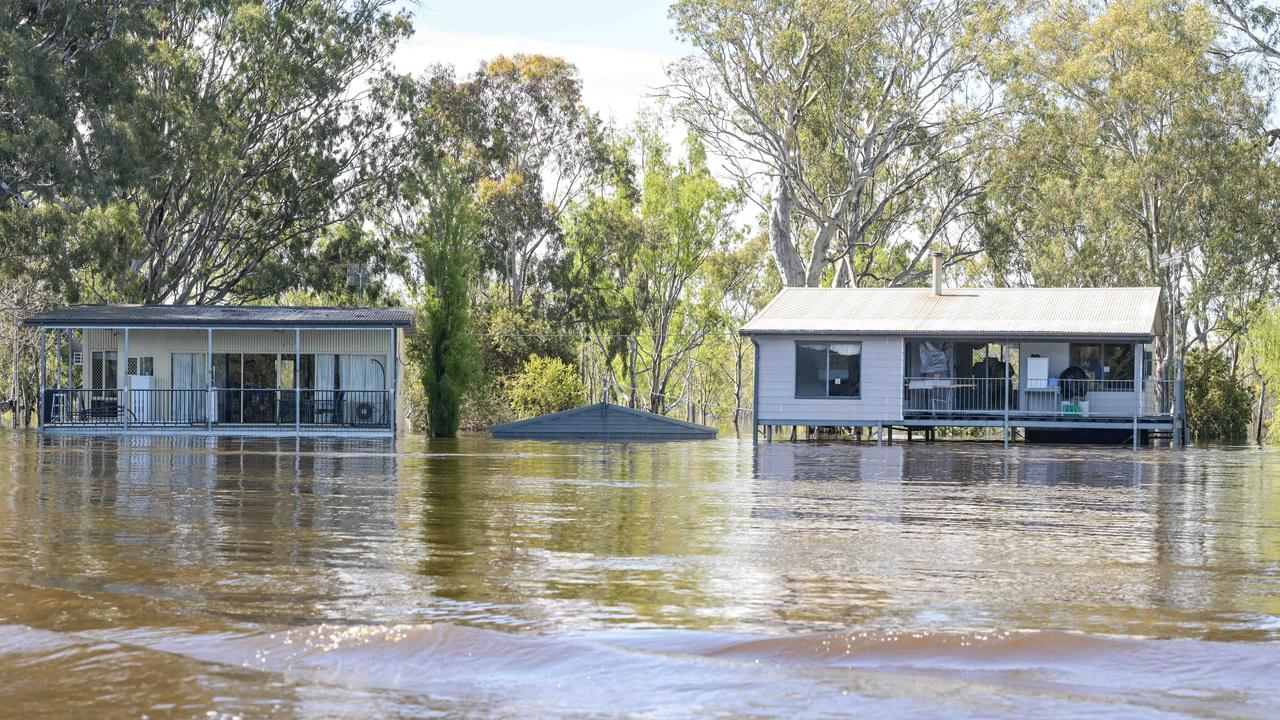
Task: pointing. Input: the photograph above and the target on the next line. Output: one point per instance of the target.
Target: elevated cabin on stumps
(222, 370)
(1062, 364)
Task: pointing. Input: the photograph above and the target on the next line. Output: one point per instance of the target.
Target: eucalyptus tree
(192, 148)
(636, 259)
(848, 120)
(254, 133)
(65, 68)
(544, 148)
(63, 64)
(1137, 161)
(686, 215)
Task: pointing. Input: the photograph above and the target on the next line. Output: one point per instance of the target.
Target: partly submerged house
(603, 421)
(222, 370)
(1040, 359)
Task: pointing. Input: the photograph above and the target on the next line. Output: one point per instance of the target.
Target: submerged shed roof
(1132, 313)
(603, 421)
(221, 316)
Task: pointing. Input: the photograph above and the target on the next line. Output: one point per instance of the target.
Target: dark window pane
(845, 361)
(1089, 358)
(259, 371)
(811, 370)
(1119, 362)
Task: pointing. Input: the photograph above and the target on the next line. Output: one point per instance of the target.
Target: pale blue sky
(619, 48)
(637, 25)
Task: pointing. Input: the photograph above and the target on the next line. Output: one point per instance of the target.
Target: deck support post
(768, 433)
(880, 435)
(1006, 393)
(393, 378)
(1139, 364)
(124, 365)
(297, 381)
(40, 404)
(755, 428)
(208, 380)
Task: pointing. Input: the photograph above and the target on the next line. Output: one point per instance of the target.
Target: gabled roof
(1119, 313)
(222, 315)
(603, 421)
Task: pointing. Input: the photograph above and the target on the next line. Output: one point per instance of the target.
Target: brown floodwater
(181, 577)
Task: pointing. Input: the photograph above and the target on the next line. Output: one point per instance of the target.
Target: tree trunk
(785, 254)
(631, 368)
(1262, 411)
(13, 387)
(737, 389)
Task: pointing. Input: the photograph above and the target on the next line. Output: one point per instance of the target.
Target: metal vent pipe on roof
(937, 273)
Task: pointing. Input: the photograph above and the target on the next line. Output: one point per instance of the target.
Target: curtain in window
(324, 372)
(362, 374)
(190, 399)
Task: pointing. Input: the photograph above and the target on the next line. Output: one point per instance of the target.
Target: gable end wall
(882, 375)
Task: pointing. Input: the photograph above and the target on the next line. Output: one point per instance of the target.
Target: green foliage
(445, 350)
(1263, 349)
(230, 134)
(511, 334)
(1135, 141)
(1218, 403)
(545, 385)
(852, 108)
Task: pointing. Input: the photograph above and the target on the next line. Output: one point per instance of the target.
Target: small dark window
(142, 366)
(829, 370)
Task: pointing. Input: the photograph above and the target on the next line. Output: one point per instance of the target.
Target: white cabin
(242, 370)
(1038, 359)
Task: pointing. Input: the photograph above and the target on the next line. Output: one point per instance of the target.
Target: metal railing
(1085, 398)
(64, 406)
(219, 406)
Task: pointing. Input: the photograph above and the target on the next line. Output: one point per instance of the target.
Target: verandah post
(40, 403)
(392, 383)
(208, 380)
(1138, 365)
(124, 415)
(297, 384)
(1006, 393)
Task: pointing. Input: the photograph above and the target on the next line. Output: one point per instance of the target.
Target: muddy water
(170, 577)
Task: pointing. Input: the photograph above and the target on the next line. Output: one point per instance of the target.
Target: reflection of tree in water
(574, 530)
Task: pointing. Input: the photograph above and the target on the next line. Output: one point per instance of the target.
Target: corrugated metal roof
(990, 312)
(602, 421)
(222, 315)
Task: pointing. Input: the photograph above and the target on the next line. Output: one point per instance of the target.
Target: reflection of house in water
(964, 534)
(241, 490)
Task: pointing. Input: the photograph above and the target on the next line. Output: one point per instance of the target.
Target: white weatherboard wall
(160, 344)
(881, 399)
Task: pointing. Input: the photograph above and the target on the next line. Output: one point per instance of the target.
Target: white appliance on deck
(139, 398)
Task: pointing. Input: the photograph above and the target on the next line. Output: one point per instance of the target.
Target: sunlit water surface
(212, 577)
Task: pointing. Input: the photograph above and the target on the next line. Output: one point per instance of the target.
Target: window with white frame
(829, 370)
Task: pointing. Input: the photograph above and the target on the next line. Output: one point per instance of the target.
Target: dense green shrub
(545, 385)
(1219, 406)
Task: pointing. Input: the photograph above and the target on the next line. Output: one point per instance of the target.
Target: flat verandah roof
(223, 317)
